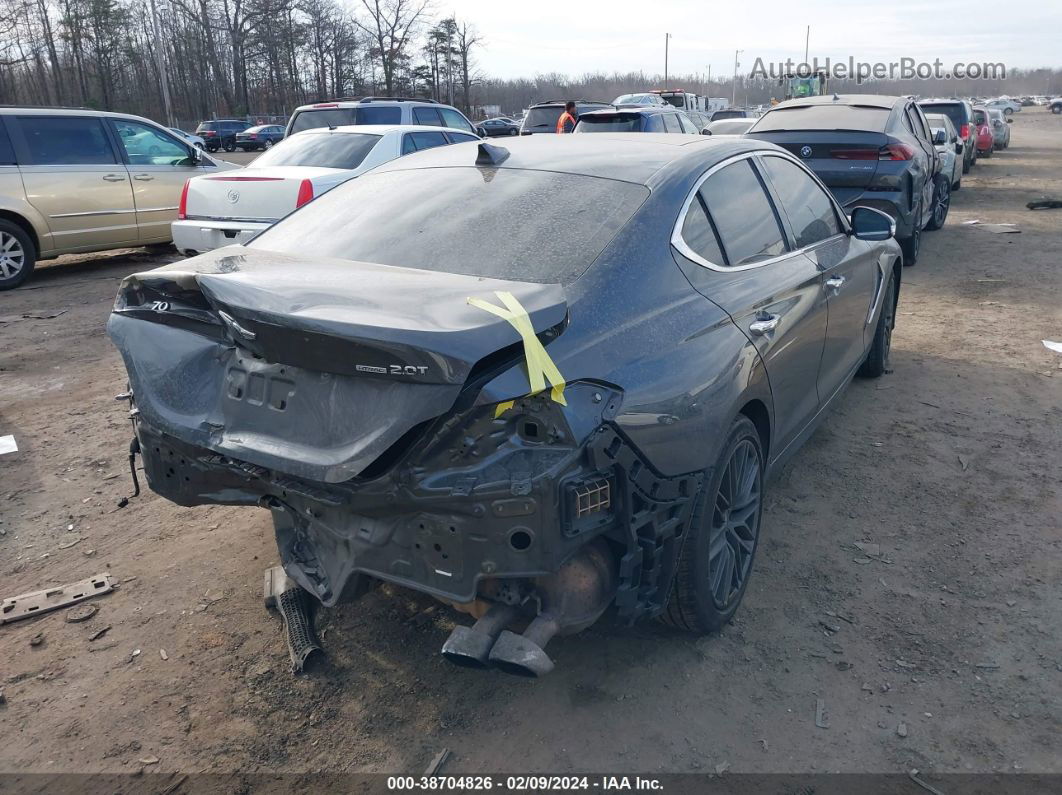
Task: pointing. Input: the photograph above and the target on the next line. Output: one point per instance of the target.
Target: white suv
(377, 110)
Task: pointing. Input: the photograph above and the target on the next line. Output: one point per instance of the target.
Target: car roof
(871, 100)
(353, 102)
(378, 129)
(643, 158)
(563, 102)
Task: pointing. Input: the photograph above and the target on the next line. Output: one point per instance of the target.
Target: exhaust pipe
(470, 647)
(571, 600)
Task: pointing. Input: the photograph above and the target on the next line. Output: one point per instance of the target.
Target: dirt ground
(947, 631)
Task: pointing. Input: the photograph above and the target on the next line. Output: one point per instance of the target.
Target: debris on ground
(721, 768)
(913, 775)
(963, 463)
(99, 633)
(3, 698)
(163, 654)
(436, 764)
(75, 615)
(1045, 204)
(289, 599)
(149, 760)
(901, 730)
(820, 714)
(8, 445)
(36, 602)
(37, 639)
(1051, 345)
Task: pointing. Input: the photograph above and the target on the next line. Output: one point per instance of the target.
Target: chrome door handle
(143, 177)
(764, 324)
(114, 178)
(835, 282)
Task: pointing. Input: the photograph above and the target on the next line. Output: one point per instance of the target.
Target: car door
(73, 177)
(158, 165)
(731, 244)
(852, 277)
(925, 167)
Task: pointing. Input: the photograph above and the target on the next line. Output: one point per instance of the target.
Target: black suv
(637, 118)
(871, 151)
(542, 118)
(220, 133)
(962, 117)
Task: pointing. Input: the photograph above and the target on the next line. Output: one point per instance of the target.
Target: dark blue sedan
(262, 137)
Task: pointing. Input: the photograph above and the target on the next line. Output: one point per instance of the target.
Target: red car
(985, 142)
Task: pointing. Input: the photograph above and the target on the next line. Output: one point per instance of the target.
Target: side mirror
(706, 131)
(939, 137)
(871, 224)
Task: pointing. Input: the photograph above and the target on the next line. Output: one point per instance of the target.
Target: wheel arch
(756, 411)
(26, 226)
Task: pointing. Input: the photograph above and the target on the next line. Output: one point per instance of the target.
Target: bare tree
(392, 25)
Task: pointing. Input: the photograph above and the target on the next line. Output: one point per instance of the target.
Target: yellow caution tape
(540, 366)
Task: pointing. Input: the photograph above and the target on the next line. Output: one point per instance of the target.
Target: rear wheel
(913, 244)
(988, 151)
(877, 361)
(267, 145)
(716, 557)
(941, 203)
(17, 255)
(230, 146)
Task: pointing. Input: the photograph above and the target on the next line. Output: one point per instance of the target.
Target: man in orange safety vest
(566, 122)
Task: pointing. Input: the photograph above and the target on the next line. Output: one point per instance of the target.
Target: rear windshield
(955, 111)
(678, 100)
(612, 122)
(719, 115)
(335, 117)
(543, 118)
(824, 117)
(730, 126)
(323, 150)
(532, 226)
(979, 117)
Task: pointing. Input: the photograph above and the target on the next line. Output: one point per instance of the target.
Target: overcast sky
(526, 37)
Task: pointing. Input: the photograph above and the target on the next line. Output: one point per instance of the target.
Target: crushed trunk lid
(308, 367)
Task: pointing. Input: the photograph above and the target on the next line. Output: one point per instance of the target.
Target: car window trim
(683, 248)
(838, 213)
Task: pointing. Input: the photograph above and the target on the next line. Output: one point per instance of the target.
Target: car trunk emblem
(805, 151)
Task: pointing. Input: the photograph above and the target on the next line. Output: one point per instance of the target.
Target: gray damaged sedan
(536, 381)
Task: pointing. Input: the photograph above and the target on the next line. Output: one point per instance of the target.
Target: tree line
(262, 58)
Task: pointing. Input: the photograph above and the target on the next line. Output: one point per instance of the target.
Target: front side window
(66, 140)
(451, 118)
(809, 209)
(743, 215)
(147, 146)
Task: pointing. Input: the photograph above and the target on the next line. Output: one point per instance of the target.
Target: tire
(1056, 109)
(913, 244)
(967, 165)
(988, 151)
(877, 361)
(212, 149)
(941, 203)
(230, 146)
(513, 132)
(956, 186)
(1008, 112)
(267, 145)
(703, 595)
(18, 255)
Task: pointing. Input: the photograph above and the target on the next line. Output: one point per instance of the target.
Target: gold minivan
(73, 181)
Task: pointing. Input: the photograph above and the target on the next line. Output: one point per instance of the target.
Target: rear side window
(671, 123)
(685, 123)
(66, 140)
(419, 141)
(737, 203)
(427, 116)
(809, 209)
(323, 150)
(698, 234)
(387, 114)
(7, 153)
(461, 138)
(324, 117)
(206, 126)
(532, 226)
(451, 118)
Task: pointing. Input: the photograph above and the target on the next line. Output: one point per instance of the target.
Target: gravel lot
(935, 645)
